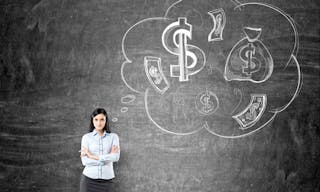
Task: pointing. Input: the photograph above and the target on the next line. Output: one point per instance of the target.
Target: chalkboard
(205, 95)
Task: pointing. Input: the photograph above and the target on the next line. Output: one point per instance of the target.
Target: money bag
(249, 59)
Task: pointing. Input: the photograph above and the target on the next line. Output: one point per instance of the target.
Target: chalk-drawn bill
(253, 112)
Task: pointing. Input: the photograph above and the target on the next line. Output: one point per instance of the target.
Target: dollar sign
(180, 31)
(247, 55)
(207, 104)
(252, 114)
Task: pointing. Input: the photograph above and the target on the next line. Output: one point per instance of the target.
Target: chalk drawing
(114, 119)
(128, 99)
(124, 109)
(248, 61)
(219, 21)
(171, 6)
(207, 102)
(155, 74)
(123, 46)
(294, 51)
(298, 88)
(253, 112)
(113, 116)
(236, 2)
(181, 30)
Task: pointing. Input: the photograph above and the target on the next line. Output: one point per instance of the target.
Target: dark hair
(97, 112)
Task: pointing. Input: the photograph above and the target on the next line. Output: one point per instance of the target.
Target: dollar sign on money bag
(191, 59)
(249, 59)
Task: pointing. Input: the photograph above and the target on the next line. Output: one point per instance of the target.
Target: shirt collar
(94, 132)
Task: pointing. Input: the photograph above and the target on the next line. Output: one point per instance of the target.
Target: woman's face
(99, 121)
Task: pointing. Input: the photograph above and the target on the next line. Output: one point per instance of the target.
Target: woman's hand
(114, 149)
(85, 152)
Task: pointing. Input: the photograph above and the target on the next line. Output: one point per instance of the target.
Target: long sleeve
(85, 160)
(100, 146)
(111, 157)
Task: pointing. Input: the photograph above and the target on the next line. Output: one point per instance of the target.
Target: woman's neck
(100, 132)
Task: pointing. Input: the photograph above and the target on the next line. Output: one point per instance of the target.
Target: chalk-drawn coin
(207, 102)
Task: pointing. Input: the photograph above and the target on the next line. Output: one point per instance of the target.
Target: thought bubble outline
(205, 125)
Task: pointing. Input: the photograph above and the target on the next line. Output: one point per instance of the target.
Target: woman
(99, 149)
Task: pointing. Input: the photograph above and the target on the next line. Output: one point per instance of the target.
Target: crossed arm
(108, 157)
(90, 159)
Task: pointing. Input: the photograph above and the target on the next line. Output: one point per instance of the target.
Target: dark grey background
(61, 59)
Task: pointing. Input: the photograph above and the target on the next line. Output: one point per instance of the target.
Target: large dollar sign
(175, 41)
(247, 55)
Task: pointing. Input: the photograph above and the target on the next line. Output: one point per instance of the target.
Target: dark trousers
(95, 185)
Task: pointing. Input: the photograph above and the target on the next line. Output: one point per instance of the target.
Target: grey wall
(61, 59)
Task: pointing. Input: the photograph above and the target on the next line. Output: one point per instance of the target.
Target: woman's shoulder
(86, 135)
(114, 135)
